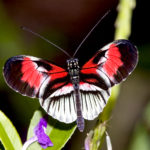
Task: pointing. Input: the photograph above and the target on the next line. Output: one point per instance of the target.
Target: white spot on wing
(62, 113)
(102, 60)
(44, 84)
(101, 101)
(88, 87)
(73, 108)
(44, 103)
(106, 47)
(104, 77)
(33, 58)
(83, 105)
(98, 108)
(67, 109)
(89, 115)
(41, 69)
(92, 102)
(51, 108)
(61, 108)
(56, 109)
(67, 89)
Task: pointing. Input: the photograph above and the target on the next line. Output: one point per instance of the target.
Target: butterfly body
(73, 69)
(75, 93)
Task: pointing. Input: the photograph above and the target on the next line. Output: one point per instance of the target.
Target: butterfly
(74, 93)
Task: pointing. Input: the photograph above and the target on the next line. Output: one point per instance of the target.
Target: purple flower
(39, 136)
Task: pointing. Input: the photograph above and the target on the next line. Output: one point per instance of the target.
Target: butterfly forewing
(33, 77)
(115, 61)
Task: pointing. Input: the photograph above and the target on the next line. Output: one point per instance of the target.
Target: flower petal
(29, 142)
(39, 131)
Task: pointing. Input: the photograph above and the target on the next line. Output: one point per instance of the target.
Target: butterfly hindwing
(33, 77)
(115, 62)
(93, 100)
(61, 104)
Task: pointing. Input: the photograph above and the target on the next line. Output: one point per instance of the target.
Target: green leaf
(8, 134)
(59, 133)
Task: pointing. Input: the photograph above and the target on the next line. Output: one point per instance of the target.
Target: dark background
(66, 23)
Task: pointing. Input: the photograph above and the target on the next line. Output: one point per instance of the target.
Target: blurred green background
(66, 23)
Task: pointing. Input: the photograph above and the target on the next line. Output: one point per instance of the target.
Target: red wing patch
(30, 76)
(95, 77)
(116, 60)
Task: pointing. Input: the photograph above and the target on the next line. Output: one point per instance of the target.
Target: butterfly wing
(116, 60)
(109, 66)
(31, 76)
(35, 77)
(93, 100)
(61, 104)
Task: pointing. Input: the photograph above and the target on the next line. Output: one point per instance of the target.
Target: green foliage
(123, 29)
(8, 134)
(105, 115)
(59, 133)
(144, 61)
(123, 22)
(98, 137)
(141, 137)
(99, 132)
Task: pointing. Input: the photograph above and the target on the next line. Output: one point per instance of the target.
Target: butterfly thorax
(73, 69)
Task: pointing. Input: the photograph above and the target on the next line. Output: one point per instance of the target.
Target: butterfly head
(73, 63)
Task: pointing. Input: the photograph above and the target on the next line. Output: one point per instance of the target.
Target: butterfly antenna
(90, 33)
(36, 34)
